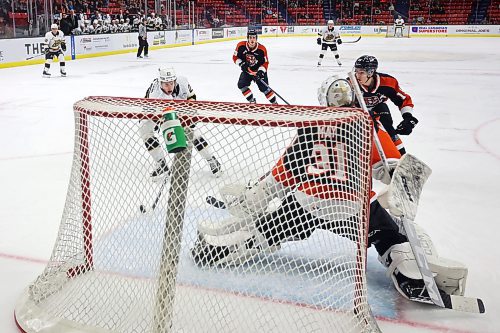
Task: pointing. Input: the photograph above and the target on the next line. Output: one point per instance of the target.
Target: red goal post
(115, 269)
(392, 33)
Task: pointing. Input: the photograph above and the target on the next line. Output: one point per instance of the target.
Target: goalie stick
(407, 181)
(142, 207)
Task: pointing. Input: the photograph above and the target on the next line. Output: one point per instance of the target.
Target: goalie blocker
(272, 212)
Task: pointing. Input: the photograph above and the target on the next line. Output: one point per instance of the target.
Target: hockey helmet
(335, 91)
(330, 22)
(54, 26)
(251, 32)
(166, 74)
(367, 63)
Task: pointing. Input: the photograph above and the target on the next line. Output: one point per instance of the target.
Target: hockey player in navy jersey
(251, 57)
(377, 88)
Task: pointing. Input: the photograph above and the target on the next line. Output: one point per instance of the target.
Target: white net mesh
(393, 32)
(299, 258)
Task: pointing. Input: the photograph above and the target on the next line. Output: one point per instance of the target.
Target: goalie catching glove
(235, 240)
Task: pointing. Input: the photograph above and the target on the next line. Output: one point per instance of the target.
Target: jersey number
(331, 160)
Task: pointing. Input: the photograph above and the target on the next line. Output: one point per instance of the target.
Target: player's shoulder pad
(242, 43)
(387, 80)
(182, 80)
(261, 47)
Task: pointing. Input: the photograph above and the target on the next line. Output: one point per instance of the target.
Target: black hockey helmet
(367, 63)
(251, 32)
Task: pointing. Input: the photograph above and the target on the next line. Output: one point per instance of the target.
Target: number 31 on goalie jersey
(328, 161)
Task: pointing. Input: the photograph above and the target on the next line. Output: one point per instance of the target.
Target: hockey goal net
(115, 268)
(393, 32)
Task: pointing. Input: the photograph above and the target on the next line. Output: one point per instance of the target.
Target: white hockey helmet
(166, 74)
(335, 91)
(54, 26)
(330, 22)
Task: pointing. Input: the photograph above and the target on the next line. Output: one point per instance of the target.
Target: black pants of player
(246, 79)
(143, 44)
(332, 47)
(50, 55)
(292, 222)
(383, 114)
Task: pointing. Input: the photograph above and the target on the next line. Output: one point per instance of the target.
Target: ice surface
(453, 83)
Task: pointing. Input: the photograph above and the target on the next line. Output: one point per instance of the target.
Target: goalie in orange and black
(317, 184)
(251, 57)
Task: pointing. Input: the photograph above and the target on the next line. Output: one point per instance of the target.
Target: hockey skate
(160, 172)
(319, 63)
(46, 74)
(63, 73)
(339, 63)
(253, 101)
(139, 57)
(215, 166)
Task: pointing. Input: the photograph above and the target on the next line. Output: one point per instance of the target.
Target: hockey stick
(352, 41)
(267, 86)
(407, 198)
(142, 208)
(213, 201)
(36, 56)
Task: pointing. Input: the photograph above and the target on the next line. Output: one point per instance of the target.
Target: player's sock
(46, 70)
(248, 94)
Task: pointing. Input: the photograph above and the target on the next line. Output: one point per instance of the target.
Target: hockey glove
(244, 67)
(318, 41)
(261, 74)
(63, 46)
(339, 41)
(406, 126)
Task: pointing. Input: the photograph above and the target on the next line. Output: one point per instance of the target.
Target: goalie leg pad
(450, 275)
(233, 249)
(253, 199)
(226, 226)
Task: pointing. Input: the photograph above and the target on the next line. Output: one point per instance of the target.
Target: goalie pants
(292, 222)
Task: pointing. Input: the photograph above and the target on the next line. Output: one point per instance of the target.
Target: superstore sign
(429, 29)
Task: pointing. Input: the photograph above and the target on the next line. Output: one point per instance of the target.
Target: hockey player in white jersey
(258, 225)
(54, 45)
(168, 85)
(399, 25)
(329, 38)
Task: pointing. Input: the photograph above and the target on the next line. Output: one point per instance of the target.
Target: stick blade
(464, 304)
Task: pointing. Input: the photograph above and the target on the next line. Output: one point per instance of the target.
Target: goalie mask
(335, 91)
(166, 74)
